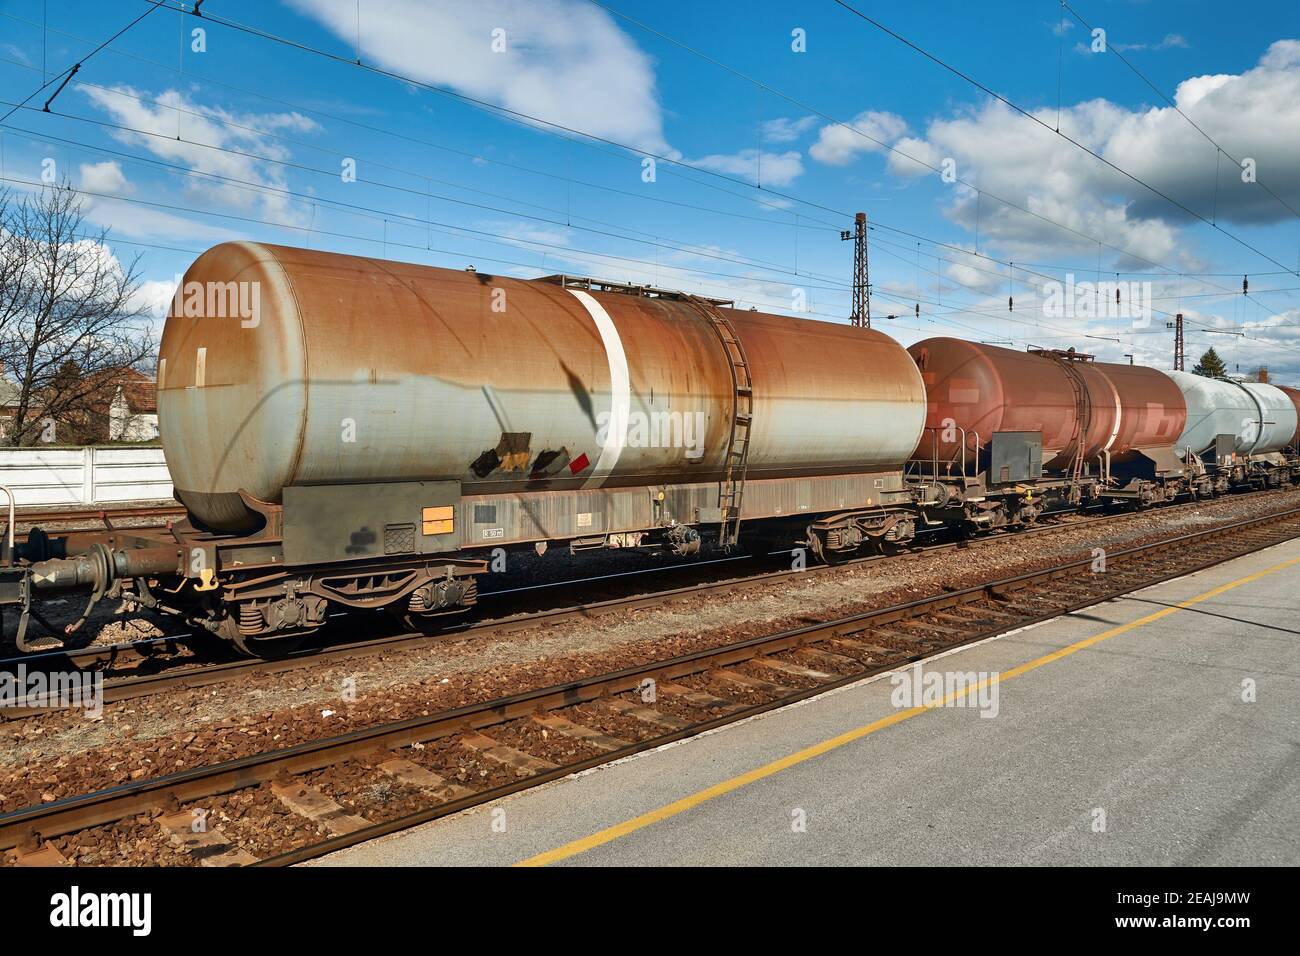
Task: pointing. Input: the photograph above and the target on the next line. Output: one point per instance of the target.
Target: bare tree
(69, 329)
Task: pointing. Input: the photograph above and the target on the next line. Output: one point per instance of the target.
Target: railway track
(179, 669)
(358, 786)
(104, 516)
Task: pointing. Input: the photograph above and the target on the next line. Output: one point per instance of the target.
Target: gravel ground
(52, 756)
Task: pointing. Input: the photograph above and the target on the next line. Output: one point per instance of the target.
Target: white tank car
(1261, 418)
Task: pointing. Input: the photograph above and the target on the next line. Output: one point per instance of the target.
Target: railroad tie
(46, 855)
(522, 763)
(647, 714)
(859, 647)
(568, 728)
(698, 698)
(882, 633)
(827, 658)
(751, 683)
(785, 667)
(412, 774)
(311, 803)
(210, 846)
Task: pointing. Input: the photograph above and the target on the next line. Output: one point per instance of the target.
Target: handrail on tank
(958, 457)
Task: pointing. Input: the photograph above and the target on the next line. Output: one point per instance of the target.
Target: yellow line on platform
(610, 834)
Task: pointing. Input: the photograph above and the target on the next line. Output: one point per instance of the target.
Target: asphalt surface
(1138, 748)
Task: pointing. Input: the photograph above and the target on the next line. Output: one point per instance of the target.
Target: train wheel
(427, 623)
(267, 646)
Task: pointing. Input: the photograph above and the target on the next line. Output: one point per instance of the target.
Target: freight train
(369, 433)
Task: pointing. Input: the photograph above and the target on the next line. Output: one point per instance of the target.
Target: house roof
(141, 396)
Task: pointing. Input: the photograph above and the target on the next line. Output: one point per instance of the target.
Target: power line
(532, 121)
(884, 145)
(1110, 47)
(858, 132)
(377, 213)
(1028, 115)
(569, 252)
(579, 133)
(478, 157)
(67, 73)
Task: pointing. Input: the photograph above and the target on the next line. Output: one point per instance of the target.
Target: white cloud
(154, 297)
(16, 52)
(770, 169)
(1170, 40)
(104, 177)
(786, 130)
(564, 61)
(838, 144)
(125, 218)
(1256, 114)
(233, 134)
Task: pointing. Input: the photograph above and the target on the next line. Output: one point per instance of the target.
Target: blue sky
(176, 150)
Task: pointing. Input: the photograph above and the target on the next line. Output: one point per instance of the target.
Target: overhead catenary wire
(1111, 48)
(536, 121)
(1047, 126)
(66, 74)
(569, 250)
(570, 253)
(979, 192)
(479, 158)
(811, 222)
(266, 187)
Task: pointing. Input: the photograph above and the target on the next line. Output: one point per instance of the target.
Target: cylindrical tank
(1261, 418)
(1294, 395)
(362, 370)
(1107, 408)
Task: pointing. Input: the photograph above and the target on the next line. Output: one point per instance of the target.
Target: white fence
(56, 477)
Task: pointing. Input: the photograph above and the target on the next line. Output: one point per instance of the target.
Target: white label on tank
(494, 532)
(200, 367)
(584, 519)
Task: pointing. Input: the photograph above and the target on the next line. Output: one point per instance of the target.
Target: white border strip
(620, 386)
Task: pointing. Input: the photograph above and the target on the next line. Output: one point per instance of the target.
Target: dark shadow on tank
(581, 394)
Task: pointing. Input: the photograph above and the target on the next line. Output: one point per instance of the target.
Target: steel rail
(110, 805)
(206, 674)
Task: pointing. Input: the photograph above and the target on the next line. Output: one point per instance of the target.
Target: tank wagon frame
(1006, 479)
(263, 574)
(487, 433)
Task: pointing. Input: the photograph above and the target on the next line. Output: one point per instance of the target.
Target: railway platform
(1156, 729)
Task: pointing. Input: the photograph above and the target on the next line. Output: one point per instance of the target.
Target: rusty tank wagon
(372, 432)
(350, 433)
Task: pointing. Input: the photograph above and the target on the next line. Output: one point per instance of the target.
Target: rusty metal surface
(1294, 395)
(984, 388)
(502, 384)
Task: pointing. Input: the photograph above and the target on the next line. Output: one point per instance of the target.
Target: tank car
(1238, 430)
(1009, 433)
(371, 432)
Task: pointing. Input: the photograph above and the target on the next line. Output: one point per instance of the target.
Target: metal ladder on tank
(731, 490)
(1082, 415)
